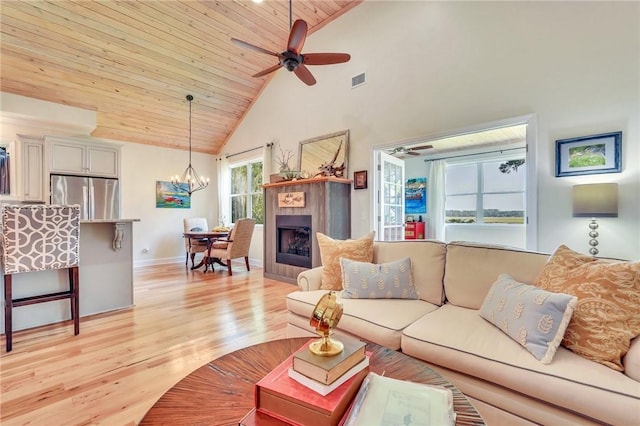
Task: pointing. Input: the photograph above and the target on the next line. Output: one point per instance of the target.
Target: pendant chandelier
(190, 176)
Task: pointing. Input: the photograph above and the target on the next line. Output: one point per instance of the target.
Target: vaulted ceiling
(134, 62)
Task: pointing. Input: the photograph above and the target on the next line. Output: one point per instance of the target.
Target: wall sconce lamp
(595, 200)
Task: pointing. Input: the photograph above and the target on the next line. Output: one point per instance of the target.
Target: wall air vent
(358, 80)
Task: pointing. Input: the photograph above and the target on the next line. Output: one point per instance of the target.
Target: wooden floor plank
(123, 361)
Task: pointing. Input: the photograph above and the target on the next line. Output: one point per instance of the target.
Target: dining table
(211, 237)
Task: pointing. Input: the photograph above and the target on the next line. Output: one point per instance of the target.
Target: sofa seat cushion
(379, 321)
(459, 339)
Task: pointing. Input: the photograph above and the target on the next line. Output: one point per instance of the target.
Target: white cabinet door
(32, 151)
(102, 161)
(68, 158)
(83, 159)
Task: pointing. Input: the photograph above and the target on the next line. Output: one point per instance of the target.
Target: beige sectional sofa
(443, 328)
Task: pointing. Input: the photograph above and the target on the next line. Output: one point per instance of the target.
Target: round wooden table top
(222, 391)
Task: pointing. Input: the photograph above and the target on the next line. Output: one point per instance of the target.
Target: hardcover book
(283, 398)
(323, 389)
(327, 369)
(256, 418)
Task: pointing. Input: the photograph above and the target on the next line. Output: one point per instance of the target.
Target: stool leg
(74, 284)
(8, 306)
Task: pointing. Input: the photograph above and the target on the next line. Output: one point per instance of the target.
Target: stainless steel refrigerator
(99, 198)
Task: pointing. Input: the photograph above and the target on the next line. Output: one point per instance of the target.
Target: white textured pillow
(392, 280)
(535, 318)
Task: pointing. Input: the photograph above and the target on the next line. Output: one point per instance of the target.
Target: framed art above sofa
(589, 155)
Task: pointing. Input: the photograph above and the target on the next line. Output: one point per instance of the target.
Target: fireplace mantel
(327, 201)
(305, 181)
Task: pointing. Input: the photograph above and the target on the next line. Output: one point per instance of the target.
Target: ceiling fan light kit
(402, 150)
(292, 59)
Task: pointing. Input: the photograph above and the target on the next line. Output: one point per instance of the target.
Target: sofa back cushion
(427, 260)
(472, 269)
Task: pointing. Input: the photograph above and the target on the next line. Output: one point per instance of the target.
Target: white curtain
(224, 191)
(435, 200)
(266, 162)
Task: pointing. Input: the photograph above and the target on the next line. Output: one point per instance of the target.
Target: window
(488, 191)
(247, 199)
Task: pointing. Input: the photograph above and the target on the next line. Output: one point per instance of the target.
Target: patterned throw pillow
(607, 315)
(535, 318)
(332, 250)
(363, 280)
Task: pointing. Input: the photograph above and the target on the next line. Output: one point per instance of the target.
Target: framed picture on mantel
(291, 199)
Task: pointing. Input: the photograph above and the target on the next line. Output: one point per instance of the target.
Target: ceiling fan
(292, 58)
(401, 150)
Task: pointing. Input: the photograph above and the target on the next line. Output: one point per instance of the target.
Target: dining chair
(39, 238)
(236, 245)
(194, 245)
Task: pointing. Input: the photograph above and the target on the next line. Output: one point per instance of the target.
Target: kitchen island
(106, 277)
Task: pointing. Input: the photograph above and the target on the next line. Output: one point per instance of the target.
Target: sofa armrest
(631, 360)
(310, 279)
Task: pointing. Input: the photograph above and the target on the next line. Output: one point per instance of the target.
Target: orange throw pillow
(607, 315)
(331, 251)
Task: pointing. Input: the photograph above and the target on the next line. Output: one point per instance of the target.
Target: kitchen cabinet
(32, 162)
(83, 158)
(26, 170)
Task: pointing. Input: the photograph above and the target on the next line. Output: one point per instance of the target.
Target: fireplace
(293, 240)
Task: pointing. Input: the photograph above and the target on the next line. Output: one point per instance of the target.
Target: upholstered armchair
(194, 245)
(236, 245)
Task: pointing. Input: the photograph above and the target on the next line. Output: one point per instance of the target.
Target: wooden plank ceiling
(134, 62)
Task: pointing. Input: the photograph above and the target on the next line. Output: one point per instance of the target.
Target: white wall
(433, 67)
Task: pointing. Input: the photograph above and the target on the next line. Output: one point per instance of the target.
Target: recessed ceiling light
(257, 1)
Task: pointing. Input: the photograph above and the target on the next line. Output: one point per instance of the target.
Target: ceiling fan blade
(411, 153)
(267, 71)
(252, 47)
(297, 36)
(416, 148)
(325, 58)
(305, 75)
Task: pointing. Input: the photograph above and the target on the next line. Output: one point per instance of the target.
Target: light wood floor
(122, 362)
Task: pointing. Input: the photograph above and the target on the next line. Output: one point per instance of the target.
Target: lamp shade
(595, 200)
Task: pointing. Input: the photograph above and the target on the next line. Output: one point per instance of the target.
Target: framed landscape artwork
(170, 197)
(589, 155)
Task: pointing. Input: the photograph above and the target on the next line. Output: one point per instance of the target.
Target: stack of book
(310, 390)
(323, 374)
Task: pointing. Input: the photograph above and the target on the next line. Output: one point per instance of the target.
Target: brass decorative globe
(324, 319)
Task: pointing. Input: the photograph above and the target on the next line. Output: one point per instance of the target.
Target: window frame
(249, 194)
(478, 161)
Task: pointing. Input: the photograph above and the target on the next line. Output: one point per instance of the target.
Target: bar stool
(38, 238)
